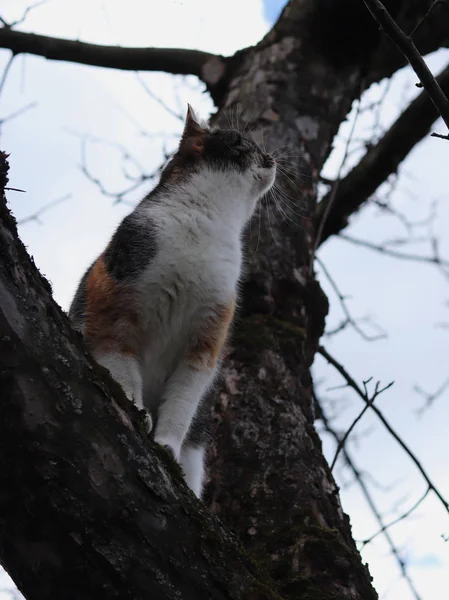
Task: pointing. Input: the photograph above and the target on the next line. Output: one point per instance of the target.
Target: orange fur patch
(204, 353)
(112, 323)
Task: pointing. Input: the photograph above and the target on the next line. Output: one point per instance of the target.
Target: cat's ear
(191, 124)
(192, 136)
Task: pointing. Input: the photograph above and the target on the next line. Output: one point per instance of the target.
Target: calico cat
(155, 307)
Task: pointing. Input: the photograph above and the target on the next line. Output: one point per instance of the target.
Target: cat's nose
(268, 161)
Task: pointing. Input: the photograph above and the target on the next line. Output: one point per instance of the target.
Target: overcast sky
(406, 299)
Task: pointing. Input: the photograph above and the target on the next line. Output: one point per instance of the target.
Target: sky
(111, 110)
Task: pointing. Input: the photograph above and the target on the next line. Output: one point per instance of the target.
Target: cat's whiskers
(291, 204)
(273, 214)
(269, 222)
(287, 176)
(286, 217)
(259, 219)
(289, 201)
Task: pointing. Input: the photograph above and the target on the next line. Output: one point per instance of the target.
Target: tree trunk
(269, 481)
(89, 507)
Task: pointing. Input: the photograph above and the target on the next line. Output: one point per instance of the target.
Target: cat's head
(229, 154)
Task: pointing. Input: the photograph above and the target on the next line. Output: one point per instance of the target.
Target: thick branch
(90, 508)
(208, 67)
(380, 161)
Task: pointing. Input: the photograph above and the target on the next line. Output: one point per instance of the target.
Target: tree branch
(349, 319)
(381, 161)
(436, 260)
(369, 402)
(353, 384)
(36, 215)
(369, 499)
(208, 67)
(410, 51)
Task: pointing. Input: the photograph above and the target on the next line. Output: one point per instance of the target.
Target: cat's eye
(234, 138)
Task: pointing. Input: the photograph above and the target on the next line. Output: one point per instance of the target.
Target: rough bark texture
(87, 502)
(286, 511)
(300, 83)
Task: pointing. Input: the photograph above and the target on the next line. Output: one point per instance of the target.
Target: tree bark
(269, 481)
(287, 512)
(89, 507)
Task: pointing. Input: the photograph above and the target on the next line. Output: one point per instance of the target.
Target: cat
(156, 306)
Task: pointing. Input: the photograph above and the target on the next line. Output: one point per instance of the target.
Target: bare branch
(402, 517)
(382, 249)
(5, 72)
(15, 114)
(177, 61)
(381, 161)
(421, 21)
(18, 112)
(137, 181)
(27, 10)
(36, 216)
(341, 298)
(369, 499)
(353, 384)
(333, 193)
(156, 98)
(410, 51)
(430, 397)
(369, 402)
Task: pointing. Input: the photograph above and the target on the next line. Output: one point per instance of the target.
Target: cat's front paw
(148, 423)
(170, 447)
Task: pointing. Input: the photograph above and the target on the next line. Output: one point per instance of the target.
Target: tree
(303, 78)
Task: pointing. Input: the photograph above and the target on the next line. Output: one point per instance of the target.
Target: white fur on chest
(196, 269)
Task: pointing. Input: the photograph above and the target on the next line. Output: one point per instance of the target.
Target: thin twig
(35, 216)
(16, 114)
(352, 383)
(335, 185)
(401, 255)
(430, 397)
(24, 14)
(156, 98)
(379, 163)
(369, 499)
(369, 402)
(341, 298)
(118, 196)
(421, 21)
(6, 71)
(411, 53)
(404, 515)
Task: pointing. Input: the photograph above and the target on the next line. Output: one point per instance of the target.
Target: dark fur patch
(77, 310)
(199, 433)
(226, 148)
(222, 149)
(132, 248)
